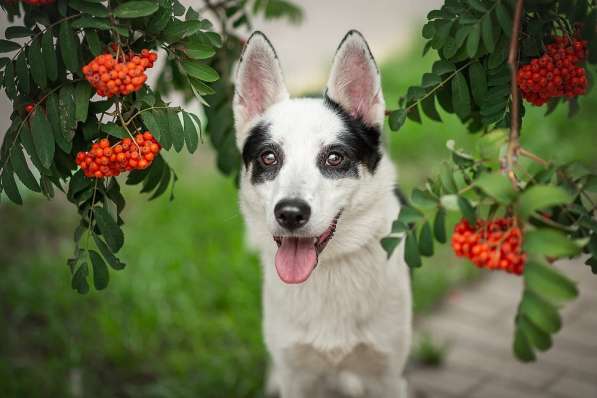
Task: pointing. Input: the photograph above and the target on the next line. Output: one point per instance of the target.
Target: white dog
(317, 194)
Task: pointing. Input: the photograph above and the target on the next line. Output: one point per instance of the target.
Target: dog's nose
(292, 213)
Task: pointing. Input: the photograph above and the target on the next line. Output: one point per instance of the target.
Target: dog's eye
(268, 158)
(334, 159)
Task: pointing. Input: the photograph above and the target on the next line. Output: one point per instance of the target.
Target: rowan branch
(513, 139)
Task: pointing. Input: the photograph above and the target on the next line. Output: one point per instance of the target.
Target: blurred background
(183, 319)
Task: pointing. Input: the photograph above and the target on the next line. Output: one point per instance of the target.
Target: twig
(530, 155)
(513, 139)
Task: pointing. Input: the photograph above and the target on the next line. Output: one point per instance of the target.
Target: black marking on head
(359, 141)
(259, 140)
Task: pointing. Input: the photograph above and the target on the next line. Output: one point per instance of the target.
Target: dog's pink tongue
(295, 260)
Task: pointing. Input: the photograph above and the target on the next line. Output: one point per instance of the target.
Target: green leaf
(191, 136)
(7, 46)
(43, 139)
(151, 124)
(396, 119)
(548, 282)
(198, 50)
(109, 229)
(101, 277)
(497, 186)
(461, 100)
(478, 80)
(409, 215)
(439, 225)
(69, 45)
(549, 242)
(178, 30)
(21, 169)
(17, 32)
(164, 182)
(414, 93)
(23, 73)
(535, 336)
(200, 71)
(79, 281)
(82, 96)
(487, 32)
(114, 130)
(477, 5)
(176, 131)
(428, 106)
(472, 42)
(522, 348)
(161, 116)
(540, 312)
(442, 67)
(201, 88)
(63, 138)
(37, 64)
(66, 105)
(423, 199)
(110, 258)
(430, 80)
(426, 240)
(389, 244)
(156, 170)
(541, 197)
(95, 9)
(136, 9)
(9, 185)
(49, 55)
(411, 251)
(467, 210)
(504, 18)
(93, 41)
(9, 80)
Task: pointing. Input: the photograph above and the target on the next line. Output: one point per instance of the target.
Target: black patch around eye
(258, 141)
(349, 167)
(361, 140)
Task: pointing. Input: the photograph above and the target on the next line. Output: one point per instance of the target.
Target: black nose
(292, 213)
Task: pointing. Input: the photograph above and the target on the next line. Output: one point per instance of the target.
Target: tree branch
(513, 139)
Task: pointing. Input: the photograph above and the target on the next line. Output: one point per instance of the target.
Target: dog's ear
(354, 82)
(259, 82)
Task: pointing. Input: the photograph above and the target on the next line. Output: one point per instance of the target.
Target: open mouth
(297, 256)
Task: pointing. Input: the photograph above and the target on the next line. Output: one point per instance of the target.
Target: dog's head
(305, 160)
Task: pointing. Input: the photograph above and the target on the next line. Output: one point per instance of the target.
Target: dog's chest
(362, 358)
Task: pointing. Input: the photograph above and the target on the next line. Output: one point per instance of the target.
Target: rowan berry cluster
(110, 77)
(105, 160)
(556, 73)
(491, 244)
(38, 2)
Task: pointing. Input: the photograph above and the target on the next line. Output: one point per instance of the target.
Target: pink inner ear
(359, 88)
(258, 84)
(356, 83)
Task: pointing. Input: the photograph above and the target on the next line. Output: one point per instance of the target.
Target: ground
(476, 324)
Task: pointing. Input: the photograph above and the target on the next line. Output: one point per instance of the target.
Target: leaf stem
(433, 90)
(147, 109)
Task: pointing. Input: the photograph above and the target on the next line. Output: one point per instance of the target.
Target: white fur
(345, 331)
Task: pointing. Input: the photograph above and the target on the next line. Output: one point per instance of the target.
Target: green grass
(184, 317)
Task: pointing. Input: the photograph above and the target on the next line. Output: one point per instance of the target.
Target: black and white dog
(317, 194)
